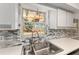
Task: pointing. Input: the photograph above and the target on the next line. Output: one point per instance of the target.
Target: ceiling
(72, 7)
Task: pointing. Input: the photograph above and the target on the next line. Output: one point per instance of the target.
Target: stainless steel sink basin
(51, 49)
(54, 49)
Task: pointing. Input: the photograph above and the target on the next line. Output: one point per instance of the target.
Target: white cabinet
(61, 18)
(5, 13)
(9, 14)
(16, 15)
(52, 18)
(69, 19)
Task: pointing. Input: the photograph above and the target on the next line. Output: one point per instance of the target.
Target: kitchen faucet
(35, 43)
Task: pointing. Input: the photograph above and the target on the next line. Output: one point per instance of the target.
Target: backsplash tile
(55, 33)
(6, 35)
(59, 33)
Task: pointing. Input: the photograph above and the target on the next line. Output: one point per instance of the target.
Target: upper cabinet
(9, 14)
(52, 17)
(59, 18)
(69, 20)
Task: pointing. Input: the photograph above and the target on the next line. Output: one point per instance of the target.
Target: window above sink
(33, 21)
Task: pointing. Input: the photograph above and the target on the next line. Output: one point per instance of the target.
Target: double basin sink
(51, 49)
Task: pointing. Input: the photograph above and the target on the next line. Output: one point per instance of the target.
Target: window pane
(32, 24)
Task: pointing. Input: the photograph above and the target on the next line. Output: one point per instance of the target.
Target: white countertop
(16, 50)
(67, 44)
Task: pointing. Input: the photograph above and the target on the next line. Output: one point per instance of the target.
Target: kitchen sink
(51, 49)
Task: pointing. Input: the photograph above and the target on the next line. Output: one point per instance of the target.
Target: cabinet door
(5, 13)
(8, 14)
(61, 18)
(69, 21)
(14, 14)
(53, 19)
